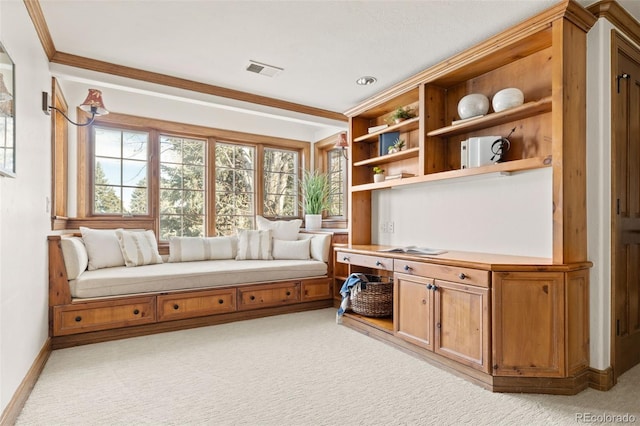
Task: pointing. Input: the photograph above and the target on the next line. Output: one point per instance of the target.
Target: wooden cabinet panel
(84, 317)
(457, 274)
(462, 330)
(252, 297)
(189, 305)
(375, 262)
(319, 289)
(528, 324)
(413, 309)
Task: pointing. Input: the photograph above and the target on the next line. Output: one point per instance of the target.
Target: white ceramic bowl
(507, 98)
(473, 105)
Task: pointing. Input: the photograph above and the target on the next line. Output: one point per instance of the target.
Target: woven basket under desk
(375, 299)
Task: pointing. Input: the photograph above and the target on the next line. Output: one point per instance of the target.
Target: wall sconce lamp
(92, 104)
(343, 144)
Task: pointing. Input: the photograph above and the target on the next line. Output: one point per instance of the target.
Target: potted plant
(378, 174)
(401, 114)
(397, 146)
(316, 190)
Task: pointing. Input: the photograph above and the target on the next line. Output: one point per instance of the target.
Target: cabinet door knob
(288, 293)
(78, 318)
(462, 276)
(407, 268)
(176, 306)
(435, 288)
(136, 311)
(252, 297)
(429, 286)
(220, 301)
(378, 263)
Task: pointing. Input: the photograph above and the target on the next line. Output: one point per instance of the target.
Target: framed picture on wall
(7, 115)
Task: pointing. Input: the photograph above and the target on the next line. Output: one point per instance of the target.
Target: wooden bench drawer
(84, 317)
(376, 262)
(319, 289)
(252, 297)
(455, 274)
(189, 305)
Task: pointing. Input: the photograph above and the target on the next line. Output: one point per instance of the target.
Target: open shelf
(405, 126)
(523, 111)
(383, 159)
(506, 167)
(385, 324)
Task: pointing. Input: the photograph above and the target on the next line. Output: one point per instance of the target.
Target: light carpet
(295, 369)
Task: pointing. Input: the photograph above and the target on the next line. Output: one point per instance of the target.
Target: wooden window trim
(320, 150)
(155, 127)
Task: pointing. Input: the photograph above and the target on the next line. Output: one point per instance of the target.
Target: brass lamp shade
(93, 103)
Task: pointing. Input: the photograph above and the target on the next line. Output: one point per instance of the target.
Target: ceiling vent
(263, 69)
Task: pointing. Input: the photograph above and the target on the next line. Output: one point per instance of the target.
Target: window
(235, 187)
(281, 183)
(185, 180)
(336, 166)
(120, 172)
(182, 187)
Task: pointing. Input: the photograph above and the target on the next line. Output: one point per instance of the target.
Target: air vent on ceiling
(263, 69)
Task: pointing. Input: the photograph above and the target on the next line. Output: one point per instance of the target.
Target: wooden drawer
(319, 289)
(196, 304)
(258, 296)
(376, 262)
(449, 273)
(84, 317)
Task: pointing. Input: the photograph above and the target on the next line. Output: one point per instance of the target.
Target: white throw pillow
(282, 229)
(189, 249)
(103, 248)
(320, 245)
(138, 247)
(295, 250)
(75, 256)
(254, 245)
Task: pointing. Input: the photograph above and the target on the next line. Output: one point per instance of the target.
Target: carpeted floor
(297, 369)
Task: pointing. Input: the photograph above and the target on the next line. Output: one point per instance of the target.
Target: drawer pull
(136, 311)
(378, 263)
(176, 306)
(220, 301)
(345, 259)
(78, 318)
(288, 293)
(435, 288)
(429, 286)
(407, 268)
(252, 297)
(462, 276)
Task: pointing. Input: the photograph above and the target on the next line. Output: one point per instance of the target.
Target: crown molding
(618, 16)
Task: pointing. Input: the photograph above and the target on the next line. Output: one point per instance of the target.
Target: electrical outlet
(383, 227)
(390, 227)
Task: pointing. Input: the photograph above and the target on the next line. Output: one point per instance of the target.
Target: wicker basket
(375, 298)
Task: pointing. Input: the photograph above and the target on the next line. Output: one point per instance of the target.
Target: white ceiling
(323, 46)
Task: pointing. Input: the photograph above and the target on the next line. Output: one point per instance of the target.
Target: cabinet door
(462, 327)
(413, 309)
(528, 324)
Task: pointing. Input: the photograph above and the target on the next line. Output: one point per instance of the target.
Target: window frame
(321, 163)
(155, 128)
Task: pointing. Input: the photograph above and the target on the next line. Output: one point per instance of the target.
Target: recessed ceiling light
(366, 80)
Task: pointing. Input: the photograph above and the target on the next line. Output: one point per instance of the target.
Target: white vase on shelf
(378, 177)
(473, 105)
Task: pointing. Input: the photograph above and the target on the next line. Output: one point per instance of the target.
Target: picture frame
(7, 115)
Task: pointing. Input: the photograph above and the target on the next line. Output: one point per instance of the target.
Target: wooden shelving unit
(405, 126)
(384, 159)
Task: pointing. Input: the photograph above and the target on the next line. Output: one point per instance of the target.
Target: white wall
(24, 220)
(490, 213)
(599, 189)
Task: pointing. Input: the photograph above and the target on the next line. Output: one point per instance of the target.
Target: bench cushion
(190, 275)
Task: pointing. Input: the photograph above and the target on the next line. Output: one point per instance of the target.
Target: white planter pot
(312, 221)
(378, 177)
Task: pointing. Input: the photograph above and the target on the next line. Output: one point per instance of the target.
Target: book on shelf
(414, 250)
(377, 128)
(386, 140)
(399, 176)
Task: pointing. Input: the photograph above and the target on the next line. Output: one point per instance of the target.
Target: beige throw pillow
(254, 245)
(138, 247)
(295, 250)
(75, 256)
(282, 229)
(103, 248)
(189, 249)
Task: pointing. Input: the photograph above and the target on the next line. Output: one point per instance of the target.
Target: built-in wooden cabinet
(413, 309)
